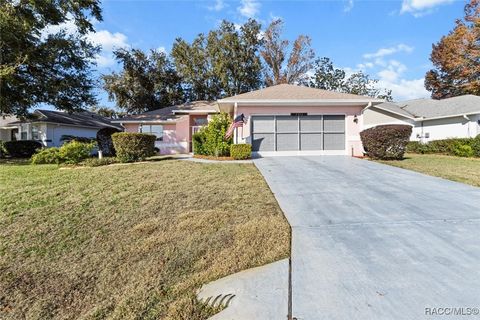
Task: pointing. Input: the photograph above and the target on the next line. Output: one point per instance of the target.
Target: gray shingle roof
(429, 108)
(84, 118)
(167, 114)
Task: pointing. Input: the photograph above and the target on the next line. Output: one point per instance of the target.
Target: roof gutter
(464, 115)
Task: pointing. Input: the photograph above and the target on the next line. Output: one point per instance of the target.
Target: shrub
(241, 151)
(386, 141)
(476, 146)
(198, 140)
(47, 156)
(3, 150)
(215, 143)
(104, 141)
(22, 148)
(74, 152)
(131, 146)
(97, 162)
(451, 146)
(463, 150)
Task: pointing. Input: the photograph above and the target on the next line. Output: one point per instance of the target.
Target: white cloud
(105, 39)
(348, 6)
(382, 52)
(162, 49)
(217, 6)
(421, 7)
(404, 89)
(249, 8)
(108, 42)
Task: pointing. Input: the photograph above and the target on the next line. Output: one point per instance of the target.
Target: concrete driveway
(370, 241)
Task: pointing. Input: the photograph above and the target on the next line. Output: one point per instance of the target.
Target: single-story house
(279, 120)
(49, 126)
(456, 117)
(7, 131)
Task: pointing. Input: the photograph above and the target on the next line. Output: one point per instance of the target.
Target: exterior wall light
(355, 119)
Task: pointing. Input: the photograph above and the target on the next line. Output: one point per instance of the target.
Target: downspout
(235, 133)
(468, 124)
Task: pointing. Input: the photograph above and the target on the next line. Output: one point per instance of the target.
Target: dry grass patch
(130, 242)
(465, 170)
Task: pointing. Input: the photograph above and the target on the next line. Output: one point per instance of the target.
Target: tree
(222, 63)
(327, 77)
(147, 81)
(40, 67)
(107, 112)
(274, 52)
(456, 58)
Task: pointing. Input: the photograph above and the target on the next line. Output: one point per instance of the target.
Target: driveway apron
(371, 241)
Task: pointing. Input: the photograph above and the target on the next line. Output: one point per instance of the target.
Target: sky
(389, 40)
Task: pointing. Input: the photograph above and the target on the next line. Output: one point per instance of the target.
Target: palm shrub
(386, 142)
(132, 146)
(215, 143)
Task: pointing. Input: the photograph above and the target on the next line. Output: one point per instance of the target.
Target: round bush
(47, 156)
(386, 142)
(241, 151)
(22, 148)
(132, 147)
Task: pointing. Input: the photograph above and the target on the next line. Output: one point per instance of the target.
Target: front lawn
(466, 170)
(129, 241)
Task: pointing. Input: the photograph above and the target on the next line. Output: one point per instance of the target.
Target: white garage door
(298, 133)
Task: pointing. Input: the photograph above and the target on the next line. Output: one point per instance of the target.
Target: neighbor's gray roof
(293, 92)
(83, 118)
(429, 108)
(167, 113)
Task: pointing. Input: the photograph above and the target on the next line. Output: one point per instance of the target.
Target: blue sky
(390, 40)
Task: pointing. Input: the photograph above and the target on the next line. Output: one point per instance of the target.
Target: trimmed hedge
(387, 142)
(241, 151)
(22, 148)
(131, 146)
(452, 147)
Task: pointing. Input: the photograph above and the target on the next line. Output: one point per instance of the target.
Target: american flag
(237, 122)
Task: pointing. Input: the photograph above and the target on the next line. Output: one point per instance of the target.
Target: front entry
(298, 132)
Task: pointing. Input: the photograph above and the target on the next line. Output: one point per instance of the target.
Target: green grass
(129, 241)
(465, 170)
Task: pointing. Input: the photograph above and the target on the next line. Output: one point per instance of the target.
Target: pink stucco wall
(352, 129)
(175, 136)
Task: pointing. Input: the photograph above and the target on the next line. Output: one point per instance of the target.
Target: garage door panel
(263, 142)
(263, 124)
(287, 141)
(287, 124)
(334, 123)
(311, 123)
(334, 141)
(311, 141)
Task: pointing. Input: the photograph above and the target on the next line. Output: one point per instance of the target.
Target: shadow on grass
(14, 161)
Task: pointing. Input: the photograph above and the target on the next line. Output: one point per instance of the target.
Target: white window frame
(143, 129)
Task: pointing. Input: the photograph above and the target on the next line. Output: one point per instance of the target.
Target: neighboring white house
(457, 117)
(7, 131)
(49, 127)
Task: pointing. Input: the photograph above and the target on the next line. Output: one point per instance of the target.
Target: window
(35, 133)
(155, 129)
(200, 121)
